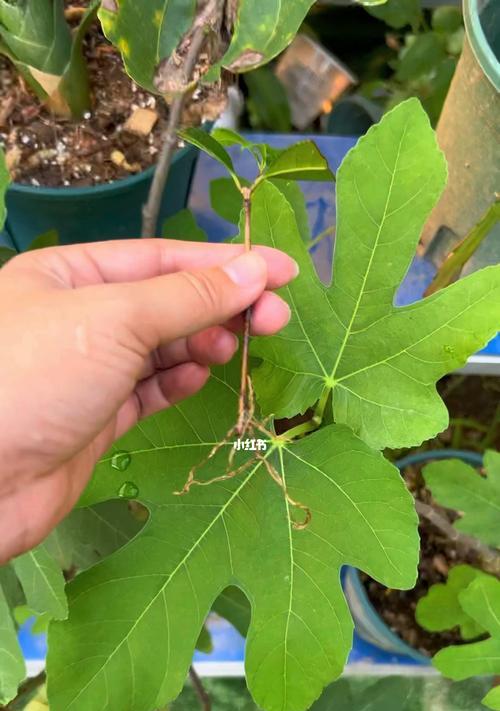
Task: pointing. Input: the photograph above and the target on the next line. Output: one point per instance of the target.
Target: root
(246, 423)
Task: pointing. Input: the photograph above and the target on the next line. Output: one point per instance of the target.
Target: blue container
(95, 213)
(368, 623)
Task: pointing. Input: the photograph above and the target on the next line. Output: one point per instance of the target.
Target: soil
(473, 403)
(44, 149)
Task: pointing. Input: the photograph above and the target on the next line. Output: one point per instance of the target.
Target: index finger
(131, 260)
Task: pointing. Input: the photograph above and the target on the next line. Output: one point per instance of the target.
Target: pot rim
(42, 192)
(479, 43)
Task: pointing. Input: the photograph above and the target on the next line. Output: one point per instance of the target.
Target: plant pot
(369, 625)
(95, 213)
(468, 133)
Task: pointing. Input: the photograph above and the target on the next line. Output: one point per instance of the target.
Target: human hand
(95, 337)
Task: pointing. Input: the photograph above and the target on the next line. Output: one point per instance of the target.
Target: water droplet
(128, 490)
(121, 461)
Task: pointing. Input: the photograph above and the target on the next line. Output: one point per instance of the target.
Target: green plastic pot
(96, 213)
(468, 132)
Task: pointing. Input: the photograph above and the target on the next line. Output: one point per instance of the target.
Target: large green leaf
(135, 617)
(42, 581)
(380, 361)
(481, 601)
(12, 669)
(459, 486)
(36, 33)
(263, 29)
(440, 608)
(146, 32)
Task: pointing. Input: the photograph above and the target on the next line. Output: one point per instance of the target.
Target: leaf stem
(453, 265)
(243, 399)
(25, 690)
(201, 692)
(329, 231)
(151, 209)
(489, 557)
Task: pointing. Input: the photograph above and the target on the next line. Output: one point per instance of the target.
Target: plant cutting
(135, 617)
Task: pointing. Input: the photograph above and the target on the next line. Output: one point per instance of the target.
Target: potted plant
(88, 177)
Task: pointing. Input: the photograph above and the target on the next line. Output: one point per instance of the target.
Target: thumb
(180, 304)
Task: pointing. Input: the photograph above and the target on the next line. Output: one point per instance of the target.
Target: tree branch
(201, 692)
(26, 689)
(489, 557)
(151, 209)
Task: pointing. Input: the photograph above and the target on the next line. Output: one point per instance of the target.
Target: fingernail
(296, 269)
(246, 270)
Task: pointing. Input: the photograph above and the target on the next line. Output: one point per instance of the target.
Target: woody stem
(243, 399)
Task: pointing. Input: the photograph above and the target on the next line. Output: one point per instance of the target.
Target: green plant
(171, 49)
(470, 598)
(460, 487)
(35, 35)
(479, 604)
(279, 541)
(427, 54)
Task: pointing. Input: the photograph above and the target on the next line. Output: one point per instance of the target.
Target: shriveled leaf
(12, 668)
(441, 610)
(263, 29)
(458, 486)
(135, 618)
(207, 143)
(42, 581)
(301, 161)
(146, 32)
(183, 225)
(381, 361)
